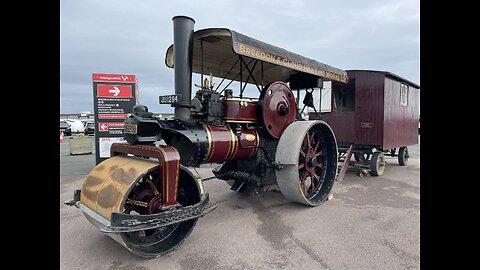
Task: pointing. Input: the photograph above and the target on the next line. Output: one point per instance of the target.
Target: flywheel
(278, 108)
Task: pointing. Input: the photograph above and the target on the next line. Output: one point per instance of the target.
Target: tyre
(377, 163)
(309, 151)
(403, 156)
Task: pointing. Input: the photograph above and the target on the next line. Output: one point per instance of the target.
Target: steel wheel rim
(142, 199)
(310, 164)
(381, 164)
(155, 242)
(288, 153)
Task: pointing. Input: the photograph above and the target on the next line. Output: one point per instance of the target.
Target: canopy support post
(218, 86)
(250, 74)
(241, 75)
(201, 57)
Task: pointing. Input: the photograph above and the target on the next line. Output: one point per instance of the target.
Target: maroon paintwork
(378, 119)
(342, 124)
(278, 109)
(169, 161)
(224, 144)
(239, 110)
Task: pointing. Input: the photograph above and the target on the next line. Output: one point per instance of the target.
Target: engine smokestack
(183, 55)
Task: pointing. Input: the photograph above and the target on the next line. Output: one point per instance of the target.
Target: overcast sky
(131, 37)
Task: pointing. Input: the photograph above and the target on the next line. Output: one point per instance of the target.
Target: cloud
(119, 36)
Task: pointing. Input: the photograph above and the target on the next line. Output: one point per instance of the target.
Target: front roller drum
(131, 185)
(308, 152)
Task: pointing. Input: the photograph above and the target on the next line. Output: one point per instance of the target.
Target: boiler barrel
(204, 143)
(224, 144)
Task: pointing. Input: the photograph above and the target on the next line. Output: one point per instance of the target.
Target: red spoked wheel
(310, 164)
(308, 152)
(145, 199)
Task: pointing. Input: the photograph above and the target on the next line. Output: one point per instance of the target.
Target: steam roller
(146, 198)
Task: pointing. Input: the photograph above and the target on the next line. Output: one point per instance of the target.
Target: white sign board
(105, 144)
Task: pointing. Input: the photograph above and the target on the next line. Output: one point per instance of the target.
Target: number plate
(130, 129)
(169, 99)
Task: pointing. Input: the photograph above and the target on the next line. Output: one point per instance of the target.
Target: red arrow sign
(102, 126)
(114, 91)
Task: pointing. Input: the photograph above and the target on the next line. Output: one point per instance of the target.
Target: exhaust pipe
(183, 56)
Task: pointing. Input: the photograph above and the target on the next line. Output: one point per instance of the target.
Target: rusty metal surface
(107, 185)
(279, 109)
(169, 161)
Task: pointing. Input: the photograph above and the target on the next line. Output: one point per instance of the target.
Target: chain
(203, 179)
(208, 178)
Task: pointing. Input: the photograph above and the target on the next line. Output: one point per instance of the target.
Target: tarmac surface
(371, 223)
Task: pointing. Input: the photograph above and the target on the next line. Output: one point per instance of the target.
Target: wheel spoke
(301, 166)
(152, 186)
(319, 153)
(138, 203)
(312, 181)
(305, 142)
(302, 183)
(303, 153)
(319, 165)
(314, 152)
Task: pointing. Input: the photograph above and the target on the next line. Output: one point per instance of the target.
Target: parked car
(89, 128)
(65, 128)
(85, 121)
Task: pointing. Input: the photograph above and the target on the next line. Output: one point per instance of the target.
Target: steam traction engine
(144, 196)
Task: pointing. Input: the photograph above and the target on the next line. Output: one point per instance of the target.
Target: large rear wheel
(308, 150)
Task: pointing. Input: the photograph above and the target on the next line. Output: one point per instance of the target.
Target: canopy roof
(388, 74)
(222, 46)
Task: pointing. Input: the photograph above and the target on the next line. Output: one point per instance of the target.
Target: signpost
(114, 96)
